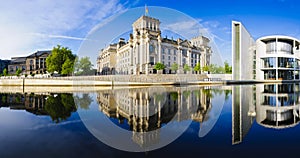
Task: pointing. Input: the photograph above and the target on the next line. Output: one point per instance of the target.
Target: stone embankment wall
(110, 80)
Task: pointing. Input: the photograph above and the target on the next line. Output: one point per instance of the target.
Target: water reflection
(148, 109)
(145, 111)
(272, 105)
(58, 106)
(152, 117)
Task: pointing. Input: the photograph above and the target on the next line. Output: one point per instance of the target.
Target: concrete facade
(278, 58)
(269, 58)
(243, 54)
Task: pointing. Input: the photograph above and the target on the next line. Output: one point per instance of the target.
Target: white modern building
(146, 47)
(269, 58)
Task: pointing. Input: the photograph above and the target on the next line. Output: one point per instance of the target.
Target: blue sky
(37, 25)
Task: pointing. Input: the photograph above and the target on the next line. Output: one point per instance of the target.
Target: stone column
(159, 50)
(189, 58)
(180, 66)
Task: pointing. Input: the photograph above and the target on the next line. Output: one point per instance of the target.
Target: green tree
(214, 69)
(174, 67)
(57, 59)
(5, 72)
(84, 66)
(228, 69)
(197, 68)
(186, 67)
(206, 68)
(159, 66)
(18, 72)
(67, 67)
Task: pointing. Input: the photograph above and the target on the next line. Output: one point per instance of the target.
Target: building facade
(32, 64)
(17, 63)
(36, 62)
(269, 58)
(146, 47)
(278, 58)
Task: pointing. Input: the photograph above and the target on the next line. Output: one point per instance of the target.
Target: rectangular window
(163, 57)
(169, 57)
(152, 60)
(169, 51)
(269, 62)
(184, 52)
(174, 58)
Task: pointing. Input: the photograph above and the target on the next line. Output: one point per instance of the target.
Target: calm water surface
(236, 121)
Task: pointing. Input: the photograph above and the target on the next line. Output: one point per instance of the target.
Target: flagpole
(146, 10)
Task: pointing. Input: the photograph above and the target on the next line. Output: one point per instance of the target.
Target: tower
(146, 38)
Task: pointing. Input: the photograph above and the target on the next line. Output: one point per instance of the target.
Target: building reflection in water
(279, 106)
(58, 106)
(272, 105)
(33, 103)
(148, 109)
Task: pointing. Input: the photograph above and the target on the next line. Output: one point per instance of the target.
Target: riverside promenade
(130, 80)
(115, 80)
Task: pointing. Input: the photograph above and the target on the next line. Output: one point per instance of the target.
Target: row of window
(41, 60)
(172, 51)
(279, 47)
(281, 62)
(282, 75)
(288, 100)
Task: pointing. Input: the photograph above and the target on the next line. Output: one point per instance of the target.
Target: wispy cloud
(221, 34)
(216, 31)
(187, 28)
(53, 20)
(54, 124)
(59, 37)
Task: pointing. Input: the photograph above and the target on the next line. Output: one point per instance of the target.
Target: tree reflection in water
(60, 106)
(84, 101)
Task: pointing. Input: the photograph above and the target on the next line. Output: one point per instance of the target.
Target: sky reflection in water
(50, 125)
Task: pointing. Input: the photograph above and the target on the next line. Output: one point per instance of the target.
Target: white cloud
(52, 21)
(187, 28)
